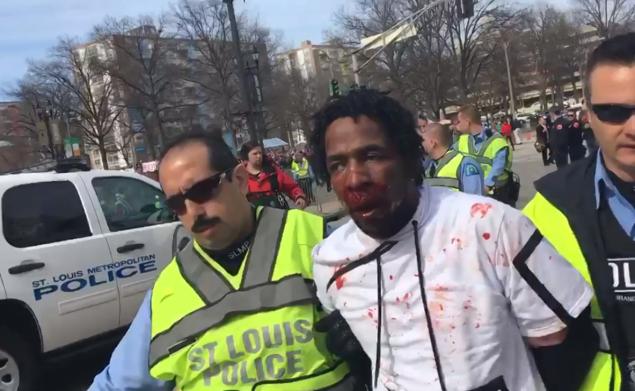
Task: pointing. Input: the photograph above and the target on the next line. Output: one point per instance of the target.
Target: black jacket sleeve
(564, 367)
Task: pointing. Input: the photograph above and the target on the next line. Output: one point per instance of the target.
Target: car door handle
(126, 248)
(25, 267)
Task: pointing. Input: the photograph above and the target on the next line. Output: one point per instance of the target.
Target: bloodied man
(443, 290)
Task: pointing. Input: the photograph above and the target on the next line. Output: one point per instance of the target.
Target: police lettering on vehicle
(249, 362)
(93, 276)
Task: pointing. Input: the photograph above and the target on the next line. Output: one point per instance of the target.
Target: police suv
(79, 251)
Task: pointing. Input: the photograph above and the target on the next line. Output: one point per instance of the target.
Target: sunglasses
(200, 192)
(613, 113)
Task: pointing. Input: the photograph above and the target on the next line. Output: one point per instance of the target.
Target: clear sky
(28, 28)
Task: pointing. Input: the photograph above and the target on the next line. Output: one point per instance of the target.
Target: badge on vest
(623, 279)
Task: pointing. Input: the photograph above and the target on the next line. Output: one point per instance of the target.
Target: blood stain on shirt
(391, 277)
(478, 325)
(486, 235)
(480, 209)
(440, 288)
(340, 280)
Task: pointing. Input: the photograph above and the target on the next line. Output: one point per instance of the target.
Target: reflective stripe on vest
(251, 333)
(300, 169)
(554, 226)
(604, 337)
(447, 171)
(486, 154)
(444, 182)
(289, 291)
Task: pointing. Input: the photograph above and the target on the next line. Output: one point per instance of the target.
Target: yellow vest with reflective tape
(554, 226)
(486, 154)
(252, 331)
(447, 172)
(302, 169)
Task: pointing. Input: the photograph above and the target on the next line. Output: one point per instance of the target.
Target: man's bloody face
(366, 171)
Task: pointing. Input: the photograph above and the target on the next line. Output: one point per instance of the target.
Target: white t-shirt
(479, 299)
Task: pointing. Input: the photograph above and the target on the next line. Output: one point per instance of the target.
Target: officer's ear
(240, 177)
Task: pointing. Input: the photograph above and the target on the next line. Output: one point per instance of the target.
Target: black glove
(341, 341)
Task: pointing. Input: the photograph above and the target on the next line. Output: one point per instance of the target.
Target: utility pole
(254, 134)
(512, 98)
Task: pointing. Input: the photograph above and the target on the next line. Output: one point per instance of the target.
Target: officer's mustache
(202, 223)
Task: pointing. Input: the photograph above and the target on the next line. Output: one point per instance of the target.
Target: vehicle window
(41, 213)
(129, 203)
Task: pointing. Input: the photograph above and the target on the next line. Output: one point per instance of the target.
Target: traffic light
(335, 88)
(465, 8)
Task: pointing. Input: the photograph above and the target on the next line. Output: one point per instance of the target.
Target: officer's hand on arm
(341, 341)
(128, 367)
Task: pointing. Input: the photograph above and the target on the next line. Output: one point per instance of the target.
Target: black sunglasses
(613, 113)
(200, 192)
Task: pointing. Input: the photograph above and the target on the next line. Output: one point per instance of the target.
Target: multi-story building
(177, 106)
(320, 62)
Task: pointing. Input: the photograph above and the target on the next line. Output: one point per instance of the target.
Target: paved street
(75, 374)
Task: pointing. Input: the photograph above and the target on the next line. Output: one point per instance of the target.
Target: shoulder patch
(559, 127)
(470, 169)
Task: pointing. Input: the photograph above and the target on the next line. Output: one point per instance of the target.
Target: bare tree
(139, 59)
(370, 17)
(430, 67)
(74, 71)
(473, 42)
(294, 99)
(212, 65)
(554, 42)
(608, 17)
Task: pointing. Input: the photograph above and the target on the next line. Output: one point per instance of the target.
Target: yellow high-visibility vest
(485, 156)
(251, 331)
(302, 169)
(447, 172)
(555, 227)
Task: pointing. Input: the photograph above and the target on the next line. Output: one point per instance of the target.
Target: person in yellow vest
(447, 167)
(491, 151)
(300, 165)
(302, 174)
(587, 211)
(236, 308)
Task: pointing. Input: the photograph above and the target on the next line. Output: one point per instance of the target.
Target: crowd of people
(426, 287)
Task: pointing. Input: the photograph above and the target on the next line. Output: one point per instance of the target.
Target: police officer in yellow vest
(236, 308)
(491, 151)
(587, 211)
(300, 165)
(447, 167)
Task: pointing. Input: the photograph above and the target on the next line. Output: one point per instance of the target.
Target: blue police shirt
(128, 368)
(623, 211)
(498, 164)
(471, 176)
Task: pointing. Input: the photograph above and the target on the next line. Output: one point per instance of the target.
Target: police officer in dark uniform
(558, 140)
(574, 137)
